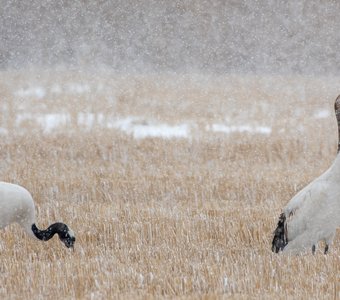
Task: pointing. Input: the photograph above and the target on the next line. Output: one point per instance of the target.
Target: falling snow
(251, 70)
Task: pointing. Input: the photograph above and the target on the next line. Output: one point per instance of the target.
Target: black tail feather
(280, 239)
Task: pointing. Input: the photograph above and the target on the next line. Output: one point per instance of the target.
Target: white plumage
(313, 214)
(17, 206)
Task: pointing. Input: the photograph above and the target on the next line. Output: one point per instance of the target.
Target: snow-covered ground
(266, 130)
(138, 127)
(39, 92)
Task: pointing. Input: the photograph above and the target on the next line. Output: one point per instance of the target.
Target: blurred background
(207, 36)
(196, 66)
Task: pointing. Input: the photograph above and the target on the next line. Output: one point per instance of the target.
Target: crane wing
(303, 208)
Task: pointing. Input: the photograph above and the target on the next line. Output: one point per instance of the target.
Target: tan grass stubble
(157, 217)
(163, 218)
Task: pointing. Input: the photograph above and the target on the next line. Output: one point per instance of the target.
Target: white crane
(17, 206)
(313, 214)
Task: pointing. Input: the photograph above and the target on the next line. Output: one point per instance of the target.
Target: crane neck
(337, 114)
(48, 233)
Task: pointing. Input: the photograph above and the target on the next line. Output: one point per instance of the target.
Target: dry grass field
(183, 217)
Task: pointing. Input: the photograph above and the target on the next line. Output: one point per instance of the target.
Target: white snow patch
(77, 88)
(138, 127)
(161, 130)
(3, 131)
(56, 89)
(322, 114)
(86, 119)
(143, 129)
(90, 120)
(52, 121)
(37, 92)
(48, 122)
(40, 92)
(240, 129)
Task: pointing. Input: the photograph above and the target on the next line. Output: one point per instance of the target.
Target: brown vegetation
(182, 218)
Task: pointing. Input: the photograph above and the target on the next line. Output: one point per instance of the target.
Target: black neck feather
(280, 236)
(337, 114)
(47, 234)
